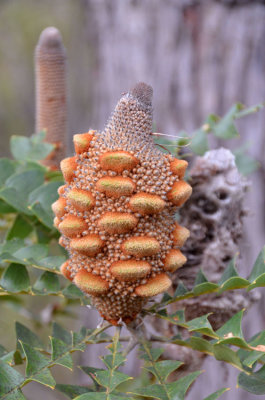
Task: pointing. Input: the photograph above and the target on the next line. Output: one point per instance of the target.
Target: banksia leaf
(116, 211)
(51, 107)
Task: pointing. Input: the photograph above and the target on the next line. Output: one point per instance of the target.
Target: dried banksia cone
(51, 107)
(119, 202)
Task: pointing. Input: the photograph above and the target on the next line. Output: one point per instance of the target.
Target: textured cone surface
(90, 283)
(114, 222)
(116, 186)
(119, 246)
(145, 203)
(174, 260)
(154, 286)
(118, 161)
(130, 270)
(82, 141)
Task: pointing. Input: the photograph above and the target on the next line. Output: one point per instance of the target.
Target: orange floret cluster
(116, 211)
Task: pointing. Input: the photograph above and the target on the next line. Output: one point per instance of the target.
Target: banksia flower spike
(51, 107)
(116, 211)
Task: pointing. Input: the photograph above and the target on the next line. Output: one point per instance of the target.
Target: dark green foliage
(223, 128)
(30, 260)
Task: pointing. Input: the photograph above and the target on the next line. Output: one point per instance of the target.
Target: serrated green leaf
(15, 395)
(36, 366)
(249, 358)
(151, 354)
(216, 394)
(232, 327)
(245, 163)
(203, 288)
(52, 263)
(181, 290)
(230, 279)
(10, 378)
(78, 338)
(15, 279)
(229, 272)
(200, 344)
(225, 127)
(200, 278)
(7, 168)
(60, 333)
(6, 208)
(234, 283)
(254, 383)
(224, 353)
(110, 363)
(21, 228)
(25, 335)
(72, 292)
(47, 283)
(92, 396)
(8, 357)
(14, 199)
(72, 391)
(110, 379)
(164, 368)
(202, 325)
(258, 270)
(3, 351)
(178, 389)
(11, 246)
(32, 148)
(60, 353)
(170, 391)
(41, 200)
(199, 142)
(25, 182)
(91, 372)
(34, 251)
(155, 391)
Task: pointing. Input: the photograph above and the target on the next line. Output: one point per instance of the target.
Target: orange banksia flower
(116, 211)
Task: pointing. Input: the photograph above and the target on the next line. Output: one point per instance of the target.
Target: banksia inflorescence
(51, 104)
(116, 211)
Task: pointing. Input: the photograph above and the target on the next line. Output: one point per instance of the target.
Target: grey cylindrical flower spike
(51, 96)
